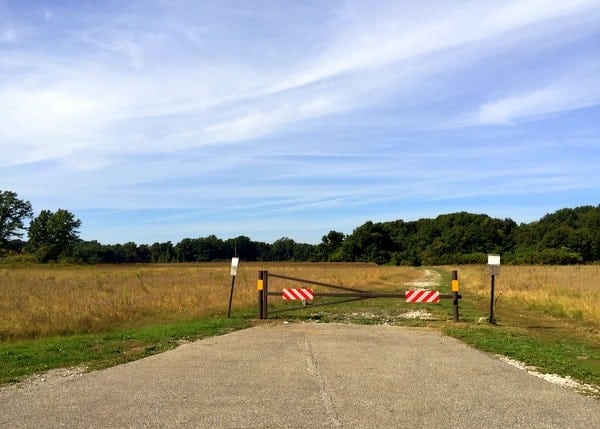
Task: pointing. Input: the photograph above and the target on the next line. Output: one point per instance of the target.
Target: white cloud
(370, 38)
(116, 42)
(355, 60)
(38, 119)
(267, 121)
(234, 102)
(8, 35)
(134, 106)
(575, 92)
(522, 106)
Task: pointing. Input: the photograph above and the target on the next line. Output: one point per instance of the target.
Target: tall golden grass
(562, 291)
(45, 300)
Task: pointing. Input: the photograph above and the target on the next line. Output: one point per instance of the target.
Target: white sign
(234, 264)
(493, 259)
(493, 267)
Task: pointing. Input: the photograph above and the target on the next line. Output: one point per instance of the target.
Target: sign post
(234, 265)
(493, 269)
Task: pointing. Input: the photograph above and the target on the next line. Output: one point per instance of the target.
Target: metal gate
(349, 294)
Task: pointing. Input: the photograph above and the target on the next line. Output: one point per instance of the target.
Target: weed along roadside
(21, 358)
(537, 320)
(96, 317)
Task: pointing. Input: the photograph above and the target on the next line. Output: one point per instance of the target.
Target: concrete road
(305, 376)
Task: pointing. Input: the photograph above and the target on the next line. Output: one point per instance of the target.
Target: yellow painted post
(455, 295)
(259, 288)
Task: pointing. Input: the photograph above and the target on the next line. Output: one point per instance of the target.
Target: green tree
(143, 253)
(89, 252)
(129, 251)
(53, 235)
(283, 249)
(162, 252)
(370, 242)
(13, 211)
(591, 226)
(330, 247)
(185, 250)
(209, 249)
(243, 246)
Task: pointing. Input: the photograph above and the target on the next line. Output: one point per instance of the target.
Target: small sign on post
(493, 269)
(234, 266)
(493, 266)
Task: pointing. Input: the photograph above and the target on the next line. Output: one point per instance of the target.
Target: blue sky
(160, 120)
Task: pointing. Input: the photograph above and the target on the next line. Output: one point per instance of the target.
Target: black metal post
(259, 287)
(230, 296)
(455, 296)
(265, 294)
(492, 320)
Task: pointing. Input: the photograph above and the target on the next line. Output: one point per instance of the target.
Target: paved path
(305, 376)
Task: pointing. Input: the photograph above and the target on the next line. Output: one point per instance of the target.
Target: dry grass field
(44, 300)
(571, 292)
(548, 316)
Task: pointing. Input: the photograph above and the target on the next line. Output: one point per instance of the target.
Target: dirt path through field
(304, 375)
(430, 279)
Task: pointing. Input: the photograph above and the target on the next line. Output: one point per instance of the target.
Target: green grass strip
(553, 354)
(22, 358)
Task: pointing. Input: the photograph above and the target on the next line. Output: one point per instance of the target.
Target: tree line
(567, 236)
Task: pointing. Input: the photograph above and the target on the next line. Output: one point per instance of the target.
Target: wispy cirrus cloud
(347, 73)
(571, 92)
(356, 59)
(8, 35)
(342, 110)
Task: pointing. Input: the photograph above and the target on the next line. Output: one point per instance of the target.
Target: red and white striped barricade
(422, 296)
(301, 294)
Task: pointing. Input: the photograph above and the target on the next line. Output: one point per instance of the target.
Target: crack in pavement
(313, 369)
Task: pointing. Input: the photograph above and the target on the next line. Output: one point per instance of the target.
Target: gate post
(259, 288)
(265, 294)
(455, 295)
